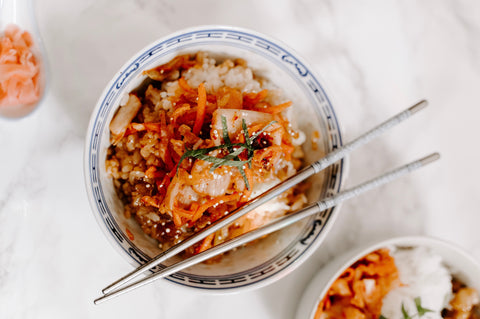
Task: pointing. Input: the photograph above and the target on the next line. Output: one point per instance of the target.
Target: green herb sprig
(405, 313)
(234, 149)
(420, 310)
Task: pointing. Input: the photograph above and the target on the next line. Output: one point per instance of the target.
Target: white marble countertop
(376, 58)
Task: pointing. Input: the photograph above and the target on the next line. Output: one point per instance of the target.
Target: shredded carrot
(220, 199)
(150, 172)
(206, 244)
(254, 98)
(277, 108)
(130, 131)
(163, 185)
(255, 128)
(177, 220)
(161, 72)
(201, 106)
(183, 212)
(180, 112)
(194, 206)
(163, 143)
(347, 297)
(154, 127)
(184, 85)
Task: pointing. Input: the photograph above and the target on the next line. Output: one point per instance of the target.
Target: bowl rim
(306, 306)
(340, 179)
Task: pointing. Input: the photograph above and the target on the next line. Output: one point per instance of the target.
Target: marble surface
(376, 58)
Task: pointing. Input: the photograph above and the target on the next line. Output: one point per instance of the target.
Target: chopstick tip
(99, 300)
(419, 106)
(430, 158)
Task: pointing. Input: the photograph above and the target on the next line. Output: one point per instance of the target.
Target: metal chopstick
(305, 173)
(277, 224)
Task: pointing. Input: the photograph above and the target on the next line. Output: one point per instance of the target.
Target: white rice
(423, 276)
(216, 76)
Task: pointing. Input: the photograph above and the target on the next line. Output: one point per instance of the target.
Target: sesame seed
(167, 230)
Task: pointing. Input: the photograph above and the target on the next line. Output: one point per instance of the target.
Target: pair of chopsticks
(116, 288)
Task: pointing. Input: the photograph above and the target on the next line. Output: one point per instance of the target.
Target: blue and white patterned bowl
(272, 257)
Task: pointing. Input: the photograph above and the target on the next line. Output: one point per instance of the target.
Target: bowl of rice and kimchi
(190, 129)
(404, 277)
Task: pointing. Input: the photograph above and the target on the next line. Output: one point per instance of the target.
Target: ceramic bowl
(272, 257)
(463, 266)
